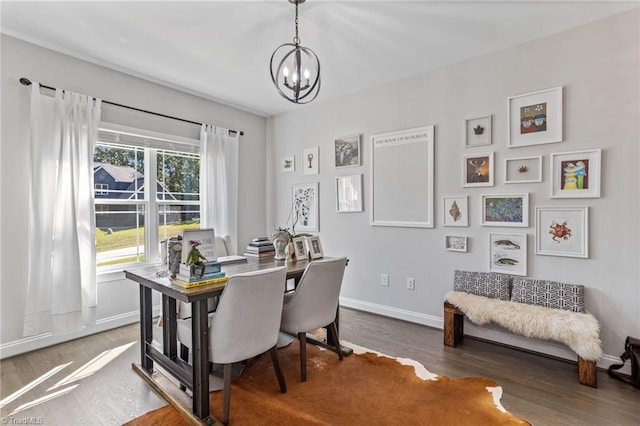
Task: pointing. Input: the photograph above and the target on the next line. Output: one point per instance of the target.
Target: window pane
(178, 176)
(119, 234)
(118, 172)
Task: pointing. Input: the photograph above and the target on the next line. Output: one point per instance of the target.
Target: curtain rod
(26, 82)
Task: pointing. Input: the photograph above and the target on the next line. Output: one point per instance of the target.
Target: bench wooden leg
(453, 325)
(587, 373)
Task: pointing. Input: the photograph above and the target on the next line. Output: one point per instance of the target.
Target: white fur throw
(579, 331)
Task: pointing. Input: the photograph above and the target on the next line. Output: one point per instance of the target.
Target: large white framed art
(304, 206)
(402, 178)
(535, 118)
(349, 193)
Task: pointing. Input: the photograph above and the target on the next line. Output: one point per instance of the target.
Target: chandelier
(295, 69)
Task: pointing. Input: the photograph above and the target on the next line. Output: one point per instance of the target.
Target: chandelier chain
(296, 39)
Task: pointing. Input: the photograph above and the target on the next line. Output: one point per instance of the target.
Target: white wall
(117, 300)
(599, 68)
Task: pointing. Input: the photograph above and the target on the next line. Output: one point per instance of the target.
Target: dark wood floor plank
(543, 390)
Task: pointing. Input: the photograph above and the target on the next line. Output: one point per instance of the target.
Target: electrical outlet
(384, 280)
(411, 284)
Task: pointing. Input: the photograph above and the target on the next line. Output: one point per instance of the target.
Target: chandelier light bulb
(294, 77)
(306, 74)
(285, 71)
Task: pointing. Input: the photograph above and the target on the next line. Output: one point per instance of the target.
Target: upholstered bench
(539, 309)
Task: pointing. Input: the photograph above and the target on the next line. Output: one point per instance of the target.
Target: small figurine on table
(193, 259)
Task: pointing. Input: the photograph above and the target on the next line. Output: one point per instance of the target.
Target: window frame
(151, 142)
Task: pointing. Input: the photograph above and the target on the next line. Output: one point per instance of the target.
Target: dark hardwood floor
(100, 388)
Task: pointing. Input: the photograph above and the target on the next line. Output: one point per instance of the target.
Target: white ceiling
(221, 49)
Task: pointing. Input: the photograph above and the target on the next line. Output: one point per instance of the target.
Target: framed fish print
(562, 231)
(575, 174)
(456, 210)
(535, 118)
(508, 254)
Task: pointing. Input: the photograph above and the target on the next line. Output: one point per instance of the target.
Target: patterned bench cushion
(488, 284)
(551, 294)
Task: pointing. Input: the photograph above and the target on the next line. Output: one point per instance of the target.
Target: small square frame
(552, 225)
(455, 243)
(477, 169)
(523, 169)
(505, 210)
(508, 254)
(535, 118)
(300, 247)
(450, 204)
(477, 131)
(288, 164)
(347, 151)
(314, 247)
(310, 161)
(569, 179)
(349, 194)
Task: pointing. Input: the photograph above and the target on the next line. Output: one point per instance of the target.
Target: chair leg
(276, 365)
(302, 337)
(227, 393)
(334, 335)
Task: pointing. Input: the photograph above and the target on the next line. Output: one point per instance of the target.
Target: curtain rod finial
(25, 81)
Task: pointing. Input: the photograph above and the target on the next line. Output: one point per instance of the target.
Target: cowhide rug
(366, 388)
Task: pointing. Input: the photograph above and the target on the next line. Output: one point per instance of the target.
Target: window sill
(108, 275)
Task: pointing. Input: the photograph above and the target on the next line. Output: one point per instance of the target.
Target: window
(101, 188)
(146, 190)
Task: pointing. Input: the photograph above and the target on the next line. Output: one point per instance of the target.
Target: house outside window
(146, 189)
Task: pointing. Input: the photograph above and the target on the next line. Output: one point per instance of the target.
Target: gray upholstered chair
(245, 324)
(314, 304)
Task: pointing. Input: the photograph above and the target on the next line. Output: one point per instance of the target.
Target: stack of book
(261, 248)
(188, 278)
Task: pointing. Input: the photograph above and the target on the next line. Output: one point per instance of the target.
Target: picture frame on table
(310, 161)
(314, 247)
(575, 174)
(477, 169)
(455, 210)
(455, 243)
(535, 118)
(304, 206)
(505, 210)
(562, 231)
(347, 151)
(508, 253)
(300, 247)
(288, 164)
(478, 131)
(523, 169)
(349, 194)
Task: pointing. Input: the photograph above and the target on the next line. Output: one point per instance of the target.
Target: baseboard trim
(31, 343)
(392, 312)
(438, 322)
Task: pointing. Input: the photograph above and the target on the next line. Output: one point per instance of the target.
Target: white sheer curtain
(219, 181)
(61, 280)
